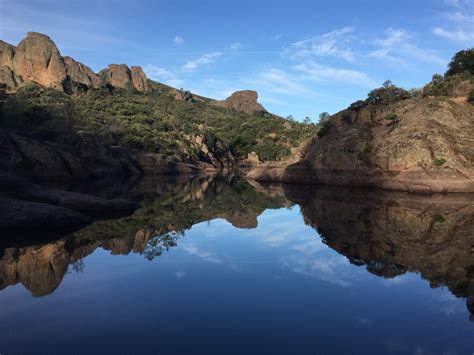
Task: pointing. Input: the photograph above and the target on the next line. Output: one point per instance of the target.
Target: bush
(391, 116)
(439, 161)
(357, 105)
(325, 127)
(387, 94)
(471, 97)
(463, 61)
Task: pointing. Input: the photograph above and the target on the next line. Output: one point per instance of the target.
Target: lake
(222, 266)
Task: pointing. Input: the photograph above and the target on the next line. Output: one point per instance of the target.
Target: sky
(302, 57)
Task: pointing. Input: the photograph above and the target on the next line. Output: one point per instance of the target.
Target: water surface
(215, 266)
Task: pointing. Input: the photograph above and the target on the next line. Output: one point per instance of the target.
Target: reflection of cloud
(398, 280)
(364, 320)
(207, 256)
(180, 274)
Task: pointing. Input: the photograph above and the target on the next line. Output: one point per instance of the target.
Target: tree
(463, 61)
(387, 84)
(307, 120)
(290, 117)
(323, 117)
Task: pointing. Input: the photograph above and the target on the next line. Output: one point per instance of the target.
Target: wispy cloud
(331, 44)
(319, 72)
(398, 45)
(206, 59)
(458, 35)
(460, 22)
(178, 40)
(236, 46)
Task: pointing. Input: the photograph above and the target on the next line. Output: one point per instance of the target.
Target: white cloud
(209, 58)
(398, 45)
(236, 46)
(158, 73)
(460, 22)
(458, 35)
(331, 44)
(178, 40)
(277, 81)
(319, 72)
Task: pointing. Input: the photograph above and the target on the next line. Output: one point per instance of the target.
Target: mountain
(419, 141)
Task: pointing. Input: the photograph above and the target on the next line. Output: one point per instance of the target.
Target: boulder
(118, 75)
(10, 79)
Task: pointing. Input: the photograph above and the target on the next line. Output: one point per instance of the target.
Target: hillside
(418, 141)
(50, 97)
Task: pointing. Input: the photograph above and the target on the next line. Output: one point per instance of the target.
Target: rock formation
(422, 144)
(139, 80)
(245, 101)
(37, 59)
(81, 73)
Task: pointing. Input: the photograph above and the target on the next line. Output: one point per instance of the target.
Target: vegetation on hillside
(153, 122)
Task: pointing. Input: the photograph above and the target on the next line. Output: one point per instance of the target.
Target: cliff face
(245, 101)
(37, 59)
(423, 144)
(81, 73)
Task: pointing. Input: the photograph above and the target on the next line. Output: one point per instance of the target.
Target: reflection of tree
(77, 266)
(160, 243)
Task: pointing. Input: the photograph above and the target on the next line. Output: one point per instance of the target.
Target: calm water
(221, 267)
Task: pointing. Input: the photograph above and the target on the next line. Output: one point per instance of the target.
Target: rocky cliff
(419, 144)
(245, 101)
(37, 59)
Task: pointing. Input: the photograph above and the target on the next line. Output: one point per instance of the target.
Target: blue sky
(303, 57)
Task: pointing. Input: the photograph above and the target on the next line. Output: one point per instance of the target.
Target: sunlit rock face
(245, 101)
(426, 148)
(38, 59)
(82, 74)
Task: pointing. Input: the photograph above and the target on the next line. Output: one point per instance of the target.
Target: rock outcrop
(7, 52)
(46, 161)
(82, 74)
(245, 101)
(423, 144)
(139, 80)
(121, 76)
(37, 59)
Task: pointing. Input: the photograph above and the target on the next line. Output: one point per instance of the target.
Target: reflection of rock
(39, 269)
(470, 304)
(168, 209)
(396, 232)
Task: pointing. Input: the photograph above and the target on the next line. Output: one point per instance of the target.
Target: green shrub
(439, 161)
(391, 116)
(324, 128)
(387, 94)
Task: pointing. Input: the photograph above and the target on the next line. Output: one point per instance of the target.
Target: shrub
(357, 105)
(391, 116)
(439, 161)
(470, 98)
(325, 127)
(387, 94)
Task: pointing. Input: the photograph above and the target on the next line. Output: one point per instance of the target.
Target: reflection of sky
(275, 288)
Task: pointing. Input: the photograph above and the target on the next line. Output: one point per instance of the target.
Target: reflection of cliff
(166, 211)
(392, 233)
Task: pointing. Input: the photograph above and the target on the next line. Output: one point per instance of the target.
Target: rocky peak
(81, 73)
(38, 59)
(139, 79)
(245, 100)
(121, 76)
